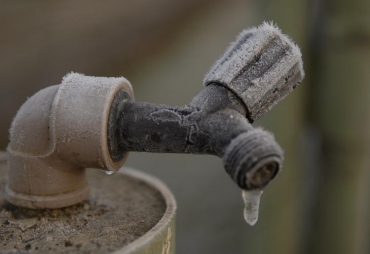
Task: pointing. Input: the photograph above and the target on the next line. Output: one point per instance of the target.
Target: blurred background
(320, 201)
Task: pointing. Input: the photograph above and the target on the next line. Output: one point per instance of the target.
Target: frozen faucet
(89, 122)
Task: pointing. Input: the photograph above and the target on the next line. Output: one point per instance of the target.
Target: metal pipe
(213, 123)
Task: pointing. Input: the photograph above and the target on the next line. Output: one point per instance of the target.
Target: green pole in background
(342, 111)
(279, 227)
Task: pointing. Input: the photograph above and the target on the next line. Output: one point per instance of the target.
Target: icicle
(252, 203)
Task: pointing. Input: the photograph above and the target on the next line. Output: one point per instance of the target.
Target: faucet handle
(262, 67)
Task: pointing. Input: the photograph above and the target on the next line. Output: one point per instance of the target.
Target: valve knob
(262, 67)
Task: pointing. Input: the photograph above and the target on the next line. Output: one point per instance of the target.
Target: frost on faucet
(93, 122)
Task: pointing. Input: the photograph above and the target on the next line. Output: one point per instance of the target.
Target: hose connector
(253, 159)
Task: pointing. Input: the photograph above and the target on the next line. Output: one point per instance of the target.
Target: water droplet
(252, 203)
(109, 172)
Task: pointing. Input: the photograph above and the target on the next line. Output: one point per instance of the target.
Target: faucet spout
(213, 123)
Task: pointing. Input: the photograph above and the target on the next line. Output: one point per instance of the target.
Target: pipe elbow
(58, 133)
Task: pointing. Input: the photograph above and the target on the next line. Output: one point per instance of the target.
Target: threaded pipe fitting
(253, 159)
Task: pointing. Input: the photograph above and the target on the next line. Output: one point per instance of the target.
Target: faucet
(93, 122)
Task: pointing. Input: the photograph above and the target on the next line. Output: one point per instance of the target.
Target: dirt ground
(120, 209)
